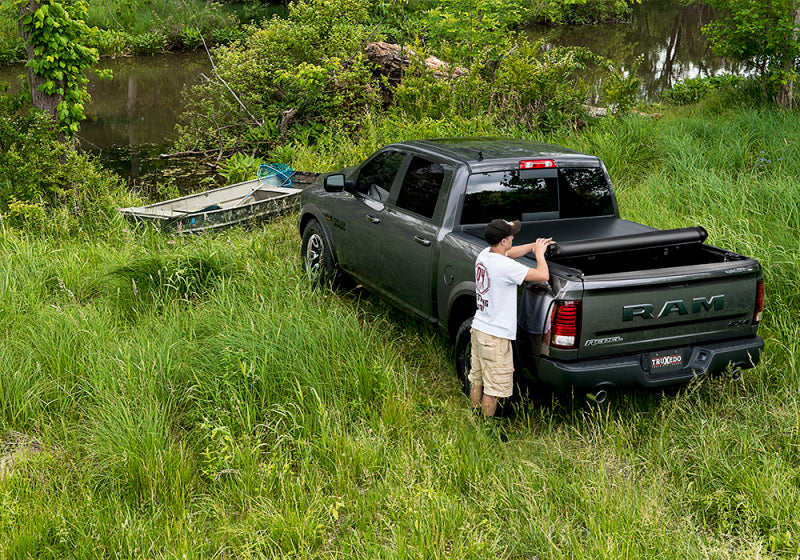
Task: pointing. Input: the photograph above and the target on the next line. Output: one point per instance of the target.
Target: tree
(54, 34)
(764, 33)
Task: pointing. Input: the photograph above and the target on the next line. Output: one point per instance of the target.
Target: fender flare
(464, 290)
(312, 211)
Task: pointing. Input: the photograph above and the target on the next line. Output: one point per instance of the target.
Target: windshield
(537, 194)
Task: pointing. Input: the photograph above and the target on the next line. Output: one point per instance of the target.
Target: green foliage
(764, 34)
(11, 47)
(462, 30)
(315, 77)
(691, 90)
(620, 90)
(175, 21)
(587, 11)
(110, 42)
(148, 42)
(304, 92)
(240, 167)
(56, 34)
(459, 23)
(33, 177)
(526, 87)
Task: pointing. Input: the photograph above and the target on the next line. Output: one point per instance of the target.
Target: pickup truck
(626, 304)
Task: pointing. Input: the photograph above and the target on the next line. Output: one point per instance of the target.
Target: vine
(55, 32)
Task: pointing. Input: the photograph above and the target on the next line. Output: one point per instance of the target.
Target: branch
(233, 93)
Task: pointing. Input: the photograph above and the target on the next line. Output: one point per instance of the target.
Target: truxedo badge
(697, 305)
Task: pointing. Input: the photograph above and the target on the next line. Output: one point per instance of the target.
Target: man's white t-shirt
(496, 281)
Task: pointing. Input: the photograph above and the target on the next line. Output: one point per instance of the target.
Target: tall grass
(197, 397)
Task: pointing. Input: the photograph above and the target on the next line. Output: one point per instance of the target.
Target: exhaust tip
(598, 396)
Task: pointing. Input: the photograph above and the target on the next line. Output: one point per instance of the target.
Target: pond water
(663, 37)
(131, 119)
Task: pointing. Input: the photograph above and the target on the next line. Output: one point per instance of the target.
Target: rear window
(585, 192)
(512, 195)
(537, 194)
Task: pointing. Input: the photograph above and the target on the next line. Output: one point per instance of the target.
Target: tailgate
(668, 308)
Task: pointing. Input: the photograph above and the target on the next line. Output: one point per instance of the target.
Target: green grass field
(195, 397)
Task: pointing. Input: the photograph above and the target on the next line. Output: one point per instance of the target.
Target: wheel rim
(315, 249)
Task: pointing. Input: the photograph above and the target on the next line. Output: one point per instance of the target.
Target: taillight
(759, 302)
(536, 164)
(565, 324)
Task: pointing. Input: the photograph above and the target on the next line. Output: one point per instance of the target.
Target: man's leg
(475, 373)
(488, 404)
(476, 395)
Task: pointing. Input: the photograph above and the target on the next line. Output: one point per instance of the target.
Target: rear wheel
(317, 255)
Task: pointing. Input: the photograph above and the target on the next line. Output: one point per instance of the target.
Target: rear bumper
(634, 369)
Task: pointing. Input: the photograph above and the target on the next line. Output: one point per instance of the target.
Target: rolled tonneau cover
(647, 240)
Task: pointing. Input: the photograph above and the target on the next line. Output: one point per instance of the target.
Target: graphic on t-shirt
(481, 279)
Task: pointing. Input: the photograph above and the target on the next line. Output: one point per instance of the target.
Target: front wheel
(317, 254)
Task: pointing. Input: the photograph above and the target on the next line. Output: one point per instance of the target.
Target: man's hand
(540, 246)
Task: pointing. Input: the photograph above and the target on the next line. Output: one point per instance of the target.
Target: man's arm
(522, 250)
(541, 273)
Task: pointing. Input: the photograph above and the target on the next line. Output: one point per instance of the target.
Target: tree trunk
(41, 101)
(785, 96)
(793, 71)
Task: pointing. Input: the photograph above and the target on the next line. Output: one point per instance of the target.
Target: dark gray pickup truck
(626, 304)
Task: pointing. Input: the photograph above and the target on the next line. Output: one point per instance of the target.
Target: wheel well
(304, 219)
(463, 308)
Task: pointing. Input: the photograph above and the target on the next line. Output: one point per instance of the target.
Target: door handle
(373, 219)
(422, 241)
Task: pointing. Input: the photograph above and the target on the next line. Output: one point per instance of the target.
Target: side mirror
(335, 182)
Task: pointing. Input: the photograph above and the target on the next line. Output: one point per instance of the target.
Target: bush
(589, 11)
(318, 80)
(692, 90)
(316, 77)
(528, 88)
(39, 174)
(239, 168)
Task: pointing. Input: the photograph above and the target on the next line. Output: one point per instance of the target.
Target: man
(494, 326)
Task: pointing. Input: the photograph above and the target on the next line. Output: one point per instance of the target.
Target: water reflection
(664, 36)
(131, 118)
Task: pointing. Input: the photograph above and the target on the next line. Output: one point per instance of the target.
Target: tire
(463, 352)
(317, 255)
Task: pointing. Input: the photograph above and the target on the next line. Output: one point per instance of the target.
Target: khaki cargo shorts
(492, 364)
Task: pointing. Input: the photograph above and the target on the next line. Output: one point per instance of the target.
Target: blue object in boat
(275, 174)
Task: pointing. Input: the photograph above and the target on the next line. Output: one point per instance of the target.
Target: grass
(195, 397)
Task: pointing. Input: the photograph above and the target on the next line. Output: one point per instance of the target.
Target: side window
(421, 185)
(376, 177)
